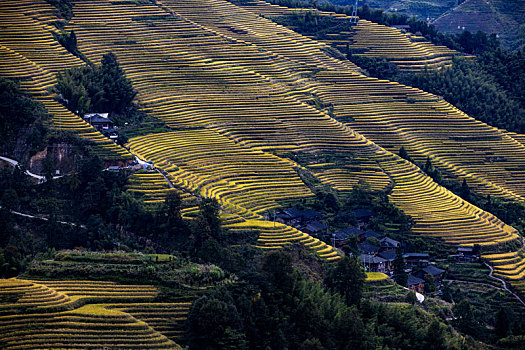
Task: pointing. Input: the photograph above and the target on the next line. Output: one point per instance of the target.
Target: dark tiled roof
(367, 247)
(315, 226)
(346, 232)
(387, 242)
(412, 280)
(310, 214)
(432, 270)
(97, 118)
(371, 233)
(306, 214)
(389, 255)
(371, 259)
(292, 213)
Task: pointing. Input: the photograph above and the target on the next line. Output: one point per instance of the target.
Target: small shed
(466, 254)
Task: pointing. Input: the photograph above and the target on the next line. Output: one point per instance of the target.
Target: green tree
(464, 192)
(118, 91)
(208, 222)
(465, 317)
(503, 324)
(411, 298)
(347, 278)
(404, 154)
(173, 205)
(400, 275)
(435, 338)
(214, 323)
(278, 268)
(10, 199)
(18, 112)
(91, 169)
(430, 283)
(48, 166)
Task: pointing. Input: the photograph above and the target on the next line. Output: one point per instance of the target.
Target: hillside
(493, 16)
(258, 117)
(499, 17)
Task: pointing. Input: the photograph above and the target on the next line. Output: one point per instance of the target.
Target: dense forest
(487, 87)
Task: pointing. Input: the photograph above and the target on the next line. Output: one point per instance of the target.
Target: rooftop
(367, 248)
(413, 280)
(371, 259)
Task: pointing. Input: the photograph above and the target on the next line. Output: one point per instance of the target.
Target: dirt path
(13, 162)
(44, 218)
(503, 283)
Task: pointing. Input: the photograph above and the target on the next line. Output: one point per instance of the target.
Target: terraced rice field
(238, 91)
(393, 115)
(212, 165)
(346, 177)
(274, 235)
(29, 52)
(60, 314)
(152, 187)
(409, 52)
(509, 266)
(375, 276)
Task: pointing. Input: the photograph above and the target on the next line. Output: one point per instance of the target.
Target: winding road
(503, 283)
(40, 178)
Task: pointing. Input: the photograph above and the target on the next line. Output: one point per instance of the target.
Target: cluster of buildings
(377, 254)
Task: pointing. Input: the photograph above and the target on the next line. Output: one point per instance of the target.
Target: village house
(389, 256)
(363, 216)
(315, 228)
(367, 248)
(372, 234)
(294, 216)
(373, 263)
(432, 270)
(416, 284)
(414, 260)
(340, 237)
(466, 254)
(99, 120)
(389, 244)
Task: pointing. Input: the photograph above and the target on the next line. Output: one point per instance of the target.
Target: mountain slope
(212, 65)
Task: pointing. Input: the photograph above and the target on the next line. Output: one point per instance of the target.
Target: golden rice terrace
(236, 91)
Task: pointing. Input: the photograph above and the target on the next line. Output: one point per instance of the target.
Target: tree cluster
(102, 88)
(275, 307)
(20, 117)
(103, 216)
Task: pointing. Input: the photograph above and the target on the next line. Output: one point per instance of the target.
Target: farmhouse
(99, 120)
(416, 284)
(432, 270)
(373, 263)
(413, 260)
